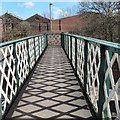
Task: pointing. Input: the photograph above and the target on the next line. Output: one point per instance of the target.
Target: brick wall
(68, 24)
(71, 23)
(38, 24)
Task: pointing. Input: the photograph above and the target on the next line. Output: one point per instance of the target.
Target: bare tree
(106, 22)
(24, 29)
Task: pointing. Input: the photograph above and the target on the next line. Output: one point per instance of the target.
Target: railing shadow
(51, 93)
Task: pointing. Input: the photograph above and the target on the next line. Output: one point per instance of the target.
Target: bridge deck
(52, 91)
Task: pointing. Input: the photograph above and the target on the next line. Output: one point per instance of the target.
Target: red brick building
(72, 23)
(13, 27)
(38, 24)
(9, 23)
(65, 24)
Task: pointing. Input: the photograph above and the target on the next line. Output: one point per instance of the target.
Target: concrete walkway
(53, 91)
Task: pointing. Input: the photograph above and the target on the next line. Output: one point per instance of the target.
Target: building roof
(12, 15)
(36, 15)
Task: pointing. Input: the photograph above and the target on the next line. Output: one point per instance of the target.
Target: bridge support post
(61, 39)
(76, 55)
(45, 40)
(71, 48)
(16, 63)
(0, 109)
(101, 82)
(28, 54)
(34, 50)
(85, 64)
(68, 45)
(39, 45)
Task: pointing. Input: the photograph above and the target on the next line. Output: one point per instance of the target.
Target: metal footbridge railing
(17, 59)
(97, 65)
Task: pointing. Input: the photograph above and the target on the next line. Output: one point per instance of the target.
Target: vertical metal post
(34, 50)
(71, 48)
(62, 37)
(63, 41)
(0, 109)
(16, 63)
(68, 46)
(101, 81)
(85, 64)
(28, 54)
(76, 55)
(39, 45)
(46, 39)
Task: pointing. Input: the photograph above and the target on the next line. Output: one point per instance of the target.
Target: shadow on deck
(52, 92)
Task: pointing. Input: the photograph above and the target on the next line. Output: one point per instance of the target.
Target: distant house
(9, 22)
(38, 24)
(13, 27)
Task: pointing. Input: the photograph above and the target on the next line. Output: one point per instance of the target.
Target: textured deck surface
(53, 91)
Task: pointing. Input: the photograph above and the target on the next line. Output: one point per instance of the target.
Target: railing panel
(69, 47)
(31, 51)
(54, 39)
(8, 82)
(40, 40)
(111, 107)
(22, 61)
(37, 48)
(93, 66)
(17, 59)
(98, 68)
(73, 52)
(42, 43)
(80, 59)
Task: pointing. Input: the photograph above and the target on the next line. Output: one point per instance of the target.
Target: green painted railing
(17, 59)
(97, 65)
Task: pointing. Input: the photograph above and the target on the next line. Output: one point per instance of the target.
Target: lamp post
(50, 17)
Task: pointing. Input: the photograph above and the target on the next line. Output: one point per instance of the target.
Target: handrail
(18, 60)
(98, 41)
(18, 40)
(97, 65)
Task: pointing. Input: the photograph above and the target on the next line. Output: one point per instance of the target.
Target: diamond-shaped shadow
(53, 91)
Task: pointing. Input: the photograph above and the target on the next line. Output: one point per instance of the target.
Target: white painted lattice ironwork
(69, 43)
(22, 63)
(37, 48)
(17, 58)
(93, 66)
(80, 59)
(73, 52)
(8, 82)
(98, 68)
(31, 52)
(111, 107)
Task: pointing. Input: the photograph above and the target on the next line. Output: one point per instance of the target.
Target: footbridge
(59, 76)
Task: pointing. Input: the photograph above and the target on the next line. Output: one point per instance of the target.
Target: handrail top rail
(95, 40)
(18, 40)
